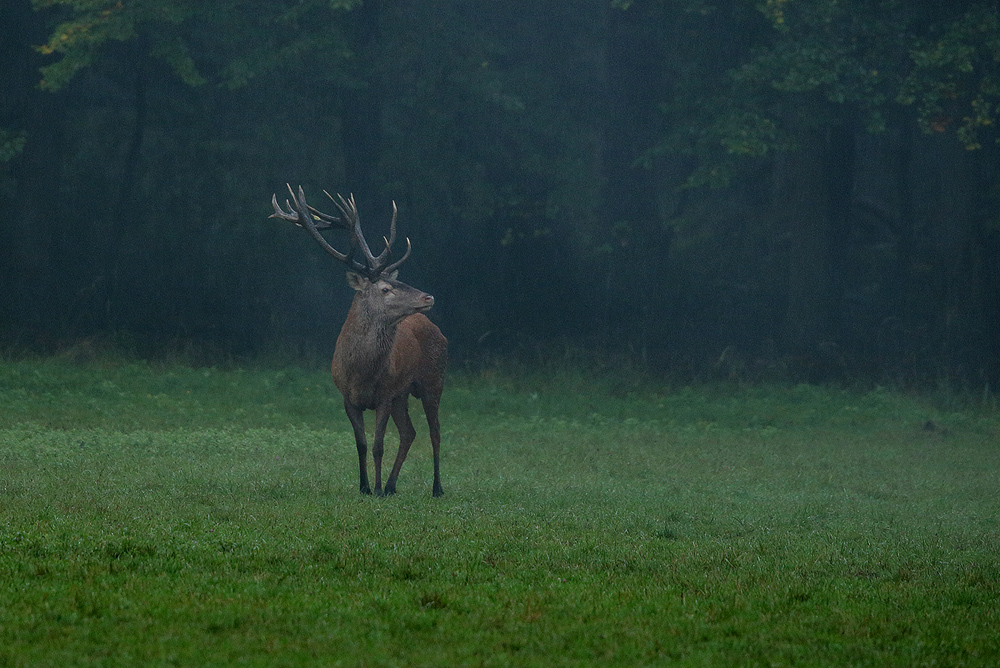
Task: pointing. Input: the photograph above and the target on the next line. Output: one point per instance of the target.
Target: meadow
(163, 515)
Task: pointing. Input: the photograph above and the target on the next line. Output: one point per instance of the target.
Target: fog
(796, 190)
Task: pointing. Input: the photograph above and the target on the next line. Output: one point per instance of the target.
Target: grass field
(163, 515)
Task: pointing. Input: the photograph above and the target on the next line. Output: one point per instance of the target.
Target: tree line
(741, 187)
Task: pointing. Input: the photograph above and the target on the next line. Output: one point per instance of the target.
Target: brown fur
(386, 351)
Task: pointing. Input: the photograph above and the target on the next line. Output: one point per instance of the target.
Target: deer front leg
(357, 417)
(401, 416)
(378, 444)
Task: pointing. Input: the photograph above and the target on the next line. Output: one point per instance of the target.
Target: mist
(798, 190)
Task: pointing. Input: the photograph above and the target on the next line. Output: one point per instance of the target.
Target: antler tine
(306, 220)
(303, 218)
(289, 215)
(352, 221)
(302, 214)
(395, 265)
(346, 222)
(384, 255)
(321, 220)
(326, 221)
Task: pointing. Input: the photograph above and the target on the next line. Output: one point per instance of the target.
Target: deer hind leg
(431, 402)
(378, 444)
(357, 417)
(401, 416)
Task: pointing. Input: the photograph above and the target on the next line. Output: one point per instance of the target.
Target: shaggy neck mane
(371, 341)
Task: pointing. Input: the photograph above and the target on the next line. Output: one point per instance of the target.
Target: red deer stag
(387, 348)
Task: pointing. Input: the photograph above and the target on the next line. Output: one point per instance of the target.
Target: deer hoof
(438, 492)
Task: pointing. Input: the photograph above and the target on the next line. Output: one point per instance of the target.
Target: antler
(376, 264)
(314, 220)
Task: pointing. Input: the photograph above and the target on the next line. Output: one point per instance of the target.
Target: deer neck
(368, 341)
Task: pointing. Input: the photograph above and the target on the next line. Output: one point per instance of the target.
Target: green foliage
(239, 39)
(839, 51)
(260, 38)
(580, 525)
(825, 59)
(87, 25)
(498, 127)
(955, 79)
(942, 58)
(11, 144)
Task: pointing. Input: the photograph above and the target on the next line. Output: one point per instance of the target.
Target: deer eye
(385, 290)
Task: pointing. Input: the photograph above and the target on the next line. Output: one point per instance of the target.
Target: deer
(387, 348)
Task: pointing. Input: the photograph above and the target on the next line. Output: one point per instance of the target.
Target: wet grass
(163, 515)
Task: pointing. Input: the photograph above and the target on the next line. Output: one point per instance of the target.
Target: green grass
(162, 515)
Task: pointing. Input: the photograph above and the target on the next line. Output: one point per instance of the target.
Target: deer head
(384, 301)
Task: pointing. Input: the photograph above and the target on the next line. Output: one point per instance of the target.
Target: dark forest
(803, 189)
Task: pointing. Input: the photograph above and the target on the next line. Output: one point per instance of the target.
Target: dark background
(801, 189)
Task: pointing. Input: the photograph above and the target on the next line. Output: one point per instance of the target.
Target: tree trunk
(361, 108)
(632, 78)
(125, 209)
(946, 300)
(29, 272)
(803, 199)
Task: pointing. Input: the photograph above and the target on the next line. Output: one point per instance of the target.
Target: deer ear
(393, 275)
(355, 280)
